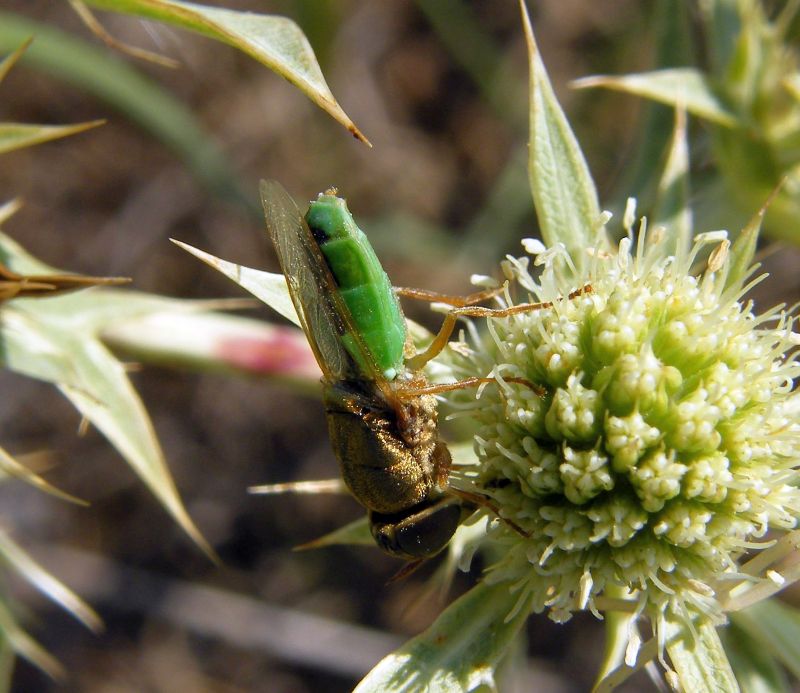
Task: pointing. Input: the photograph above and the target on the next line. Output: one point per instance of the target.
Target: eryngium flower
(662, 445)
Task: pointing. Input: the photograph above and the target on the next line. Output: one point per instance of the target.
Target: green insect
(380, 408)
(381, 414)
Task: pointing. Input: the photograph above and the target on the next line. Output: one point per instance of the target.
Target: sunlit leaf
(11, 467)
(699, 659)
(276, 42)
(106, 397)
(671, 210)
(459, 652)
(18, 135)
(563, 190)
(177, 335)
(678, 86)
(51, 339)
(43, 581)
(158, 329)
(25, 646)
(96, 383)
(265, 286)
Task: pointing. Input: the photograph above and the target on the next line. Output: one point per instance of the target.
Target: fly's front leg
(440, 340)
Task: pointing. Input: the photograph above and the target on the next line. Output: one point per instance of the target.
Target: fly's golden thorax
(417, 420)
(389, 462)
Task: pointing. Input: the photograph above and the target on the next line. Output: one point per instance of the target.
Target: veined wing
(323, 314)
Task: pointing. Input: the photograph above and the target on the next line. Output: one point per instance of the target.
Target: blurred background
(440, 89)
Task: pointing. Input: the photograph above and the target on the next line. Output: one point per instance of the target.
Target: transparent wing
(323, 314)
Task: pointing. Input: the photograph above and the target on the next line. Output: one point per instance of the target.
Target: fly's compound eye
(419, 532)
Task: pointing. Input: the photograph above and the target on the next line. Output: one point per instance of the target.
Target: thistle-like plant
(639, 446)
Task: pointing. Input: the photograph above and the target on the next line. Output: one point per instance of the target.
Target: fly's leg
(439, 388)
(408, 569)
(478, 500)
(455, 301)
(439, 342)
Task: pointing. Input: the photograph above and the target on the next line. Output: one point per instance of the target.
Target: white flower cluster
(666, 440)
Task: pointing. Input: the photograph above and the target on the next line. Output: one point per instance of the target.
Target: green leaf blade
(56, 340)
(276, 42)
(18, 135)
(671, 209)
(265, 286)
(564, 193)
(459, 652)
(699, 659)
(676, 87)
(107, 399)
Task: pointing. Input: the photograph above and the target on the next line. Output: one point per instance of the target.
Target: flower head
(662, 441)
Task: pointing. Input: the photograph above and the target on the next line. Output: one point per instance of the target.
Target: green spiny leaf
(18, 135)
(45, 338)
(676, 87)
(43, 581)
(671, 208)
(459, 652)
(265, 286)
(563, 191)
(276, 42)
(699, 658)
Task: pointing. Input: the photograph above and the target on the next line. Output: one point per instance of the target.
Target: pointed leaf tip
(12, 59)
(276, 42)
(268, 287)
(18, 135)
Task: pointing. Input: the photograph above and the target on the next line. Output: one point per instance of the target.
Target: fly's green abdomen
(364, 286)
